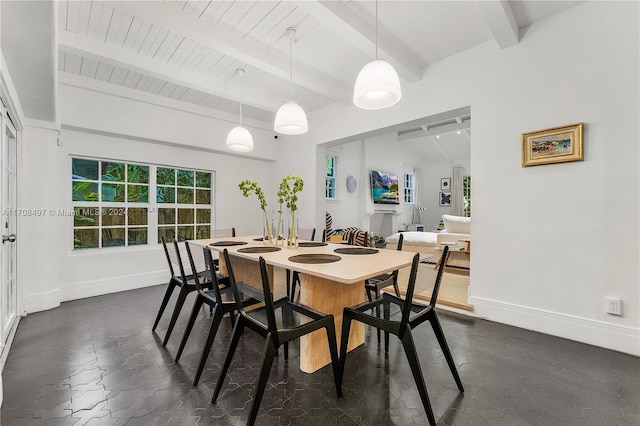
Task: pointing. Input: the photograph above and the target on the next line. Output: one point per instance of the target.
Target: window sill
(114, 250)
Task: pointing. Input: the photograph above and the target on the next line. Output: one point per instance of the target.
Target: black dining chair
(412, 315)
(278, 322)
(374, 285)
(221, 301)
(185, 282)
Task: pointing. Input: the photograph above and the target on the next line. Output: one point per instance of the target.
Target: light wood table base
(329, 297)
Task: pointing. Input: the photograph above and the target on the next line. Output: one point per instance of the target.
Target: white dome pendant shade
(377, 86)
(239, 138)
(291, 118)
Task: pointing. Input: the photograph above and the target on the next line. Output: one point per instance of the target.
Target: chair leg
(213, 329)
(395, 287)
(416, 370)
(378, 315)
(437, 329)
(192, 319)
(237, 333)
(288, 279)
(176, 312)
(267, 362)
(387, 314)
(286, 352)
(344, 342)
(163, 305)
(333, 350)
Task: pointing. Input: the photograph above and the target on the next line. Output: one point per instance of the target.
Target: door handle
(11, 238)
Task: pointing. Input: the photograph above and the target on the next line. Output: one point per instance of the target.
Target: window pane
(113, 237)
(166, 194)
(185, 195)
(166, 232)
(203, 216)
(138, 193)
(185, 233)
(85, 216)
(137, 236)
(203, 232)
(203, 196)
(137, 174)
(185, 177)
(113, 192)
(113, 172)
(166, 176)
(84, 169)
(137, 216)
(166, 216)
(113, 216)
(203, 180)
(85, 238)
(185, 215)
(84, 191)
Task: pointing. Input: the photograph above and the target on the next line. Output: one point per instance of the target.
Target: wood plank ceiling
(188, 51)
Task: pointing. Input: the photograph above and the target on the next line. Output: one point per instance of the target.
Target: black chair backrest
(174, 258)
(264, 295)
(400, 241)
(406, 310)
(208, 264)
(166, 253)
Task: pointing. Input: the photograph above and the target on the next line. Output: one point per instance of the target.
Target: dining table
(332, 276)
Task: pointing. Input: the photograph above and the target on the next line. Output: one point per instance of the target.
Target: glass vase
(292, 238)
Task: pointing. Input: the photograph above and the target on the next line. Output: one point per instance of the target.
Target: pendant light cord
(376, 29)
(241, 100)
(291, 67)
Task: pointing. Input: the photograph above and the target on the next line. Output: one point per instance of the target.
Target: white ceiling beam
(102, 52)
(87, 83)
(434, 131)
(343, 22)
(170, 18)
(502, 24)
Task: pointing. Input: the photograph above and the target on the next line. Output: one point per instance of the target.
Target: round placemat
(228, 243)
(260, 249)
(355, 250)
(315, 258)
(311, 244)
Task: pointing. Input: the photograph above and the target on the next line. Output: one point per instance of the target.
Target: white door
(8, 285)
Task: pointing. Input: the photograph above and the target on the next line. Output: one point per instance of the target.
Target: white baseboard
(611, 336)
(44, 301)
(111, 285)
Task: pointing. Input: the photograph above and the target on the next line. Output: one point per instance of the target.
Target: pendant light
(377, 85)
(290, 118)
(239, 139)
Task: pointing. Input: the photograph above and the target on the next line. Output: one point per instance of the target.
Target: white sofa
(455, 228)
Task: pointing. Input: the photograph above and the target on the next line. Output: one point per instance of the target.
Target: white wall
(549, 242)
(63, 274)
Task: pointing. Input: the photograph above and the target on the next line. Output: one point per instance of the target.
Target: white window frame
(151, 205)
(410, 187)
(331, 178)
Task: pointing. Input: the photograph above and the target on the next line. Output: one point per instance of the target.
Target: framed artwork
(445, 184)
(445, 198)
(554, 145)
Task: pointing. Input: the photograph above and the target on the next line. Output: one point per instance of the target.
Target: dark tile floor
(96, 361)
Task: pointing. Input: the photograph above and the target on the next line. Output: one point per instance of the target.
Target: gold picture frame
(554, 145)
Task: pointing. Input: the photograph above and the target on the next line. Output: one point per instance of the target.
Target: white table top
(350, 269)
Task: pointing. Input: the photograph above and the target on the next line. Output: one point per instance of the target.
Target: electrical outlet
(613, 305)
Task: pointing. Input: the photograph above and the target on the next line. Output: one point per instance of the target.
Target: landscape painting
(554, 145)
(384, 188)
